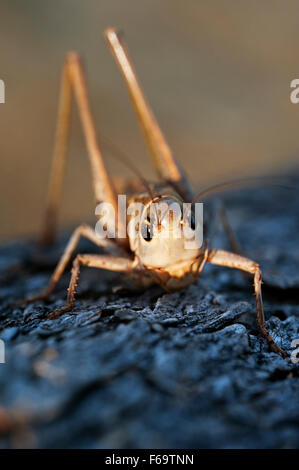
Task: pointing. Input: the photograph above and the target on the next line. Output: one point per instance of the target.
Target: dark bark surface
(153, 370)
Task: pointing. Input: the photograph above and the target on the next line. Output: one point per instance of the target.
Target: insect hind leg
(165, 162)
(73, 81)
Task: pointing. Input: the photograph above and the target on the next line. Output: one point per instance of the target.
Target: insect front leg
(231, 260)
(113, 263)
(82, 231)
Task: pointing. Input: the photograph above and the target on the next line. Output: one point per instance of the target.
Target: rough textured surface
(149, 369)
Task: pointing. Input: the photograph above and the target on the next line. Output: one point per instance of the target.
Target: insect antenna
(241, 183)
(121, 155)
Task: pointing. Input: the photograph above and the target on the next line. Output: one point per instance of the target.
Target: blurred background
(216, 73)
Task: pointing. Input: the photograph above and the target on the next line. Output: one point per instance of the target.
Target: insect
(145, 259)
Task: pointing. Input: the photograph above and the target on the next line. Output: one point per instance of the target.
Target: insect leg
(231, 260)
(219, 215)
(165, 162)
(229, 231)
(73, 79)
(82, 231)
(113, 263)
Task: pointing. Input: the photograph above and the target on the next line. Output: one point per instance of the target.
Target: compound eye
(146, 230)
(192, 221)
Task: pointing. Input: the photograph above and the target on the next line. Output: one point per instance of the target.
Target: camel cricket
(144, 258)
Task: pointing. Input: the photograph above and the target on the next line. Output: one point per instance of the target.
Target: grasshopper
(144, 259)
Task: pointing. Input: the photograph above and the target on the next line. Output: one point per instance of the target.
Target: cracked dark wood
(128, 368)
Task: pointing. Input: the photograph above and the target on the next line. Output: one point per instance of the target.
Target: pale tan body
(140, 261)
